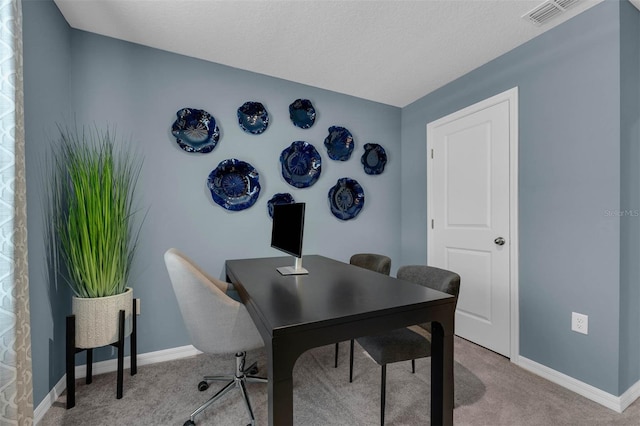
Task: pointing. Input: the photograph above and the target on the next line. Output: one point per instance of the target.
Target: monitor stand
(293, 270)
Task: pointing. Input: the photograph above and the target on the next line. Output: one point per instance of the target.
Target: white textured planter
(97, 318)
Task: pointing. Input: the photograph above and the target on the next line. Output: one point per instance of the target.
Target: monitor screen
(288, 228)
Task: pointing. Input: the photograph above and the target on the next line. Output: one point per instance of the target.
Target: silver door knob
(499, 241)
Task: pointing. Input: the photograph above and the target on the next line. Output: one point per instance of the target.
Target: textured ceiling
(392, 52)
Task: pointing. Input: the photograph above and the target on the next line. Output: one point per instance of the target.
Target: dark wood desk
(333, 303)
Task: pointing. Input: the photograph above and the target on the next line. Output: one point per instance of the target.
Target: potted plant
(95, 232)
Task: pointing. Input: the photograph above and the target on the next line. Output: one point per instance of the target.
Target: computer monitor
(286, 234)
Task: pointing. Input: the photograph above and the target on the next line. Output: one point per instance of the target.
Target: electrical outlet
(138, 306)
(579, 323)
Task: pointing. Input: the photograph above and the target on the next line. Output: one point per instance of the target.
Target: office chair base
(238, 380)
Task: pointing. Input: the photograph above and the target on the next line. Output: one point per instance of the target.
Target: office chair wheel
(189, 423)
(253, 371)
(202, 386)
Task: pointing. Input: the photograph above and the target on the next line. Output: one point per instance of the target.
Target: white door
(469, 230)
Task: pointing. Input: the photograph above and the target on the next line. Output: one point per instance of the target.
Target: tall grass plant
(91, 202)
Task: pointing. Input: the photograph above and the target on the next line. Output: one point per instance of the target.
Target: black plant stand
(119, 344)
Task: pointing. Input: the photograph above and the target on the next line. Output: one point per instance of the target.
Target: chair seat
(394, 346)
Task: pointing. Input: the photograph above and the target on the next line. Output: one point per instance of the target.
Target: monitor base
(291, 270)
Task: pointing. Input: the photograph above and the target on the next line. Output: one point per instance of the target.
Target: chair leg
(238, 379)
(213, 399)
(252, 369)
(383, 393)
(256, 379)
(351, 362)
(224, 378)
(413, 366)
(247, 402)
(336, 361)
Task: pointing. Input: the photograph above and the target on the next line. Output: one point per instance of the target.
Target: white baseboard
(47, 402)
(107, 367)
(143, 359)
(630, 395)
(615, 403)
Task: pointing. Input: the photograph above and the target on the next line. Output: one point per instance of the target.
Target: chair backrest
(215, 322)
(432, 277)
(374, 262)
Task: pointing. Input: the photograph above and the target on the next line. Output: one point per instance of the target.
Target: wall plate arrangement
(346, 198)
(279, 198)
(339, 143)
(302, 113)
(301, 164)
(253, 118)
(195, 130)
(374, 159)
(234, 184)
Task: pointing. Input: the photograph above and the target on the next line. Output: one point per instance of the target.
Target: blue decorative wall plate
(234, 184)
(339, 143)
(301, 164)
(302, 113)
(374, 159)
(253, 117)
(195, 130)
(279, 198)
(346, 199)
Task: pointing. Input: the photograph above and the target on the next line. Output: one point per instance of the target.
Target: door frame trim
(511, 96)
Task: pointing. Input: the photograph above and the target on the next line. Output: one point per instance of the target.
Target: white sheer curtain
(16, 390)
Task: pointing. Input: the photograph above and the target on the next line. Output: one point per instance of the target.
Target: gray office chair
(216, 324)
(374, 262)
(404, 344)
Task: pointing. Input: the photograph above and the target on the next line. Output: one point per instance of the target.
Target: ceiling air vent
(548, 10)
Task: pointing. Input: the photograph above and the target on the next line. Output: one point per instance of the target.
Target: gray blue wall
(578, 160)
(630, 195)
(569, 81)
(139, 90)
(47, 92)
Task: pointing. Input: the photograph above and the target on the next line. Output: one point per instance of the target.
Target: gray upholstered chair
(374, 262)
(216, 324)
(405, 344)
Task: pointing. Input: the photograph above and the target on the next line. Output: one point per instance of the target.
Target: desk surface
(336, 302)
(331, 293)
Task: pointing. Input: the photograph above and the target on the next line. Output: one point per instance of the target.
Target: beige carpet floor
(489, 390)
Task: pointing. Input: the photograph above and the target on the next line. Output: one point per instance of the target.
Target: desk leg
(441, 375)
(280, 386)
